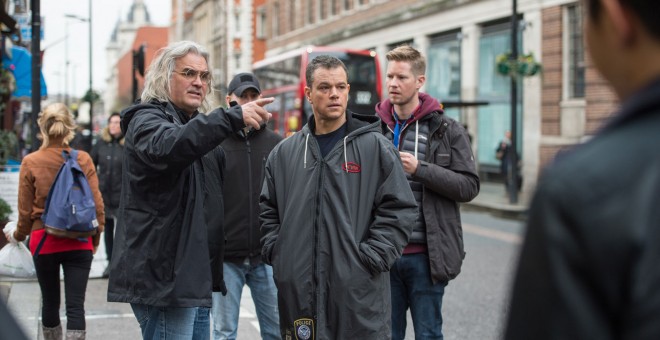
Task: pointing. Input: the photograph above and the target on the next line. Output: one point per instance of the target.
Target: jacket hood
(428, 104)
(356, 124)
(128, 113)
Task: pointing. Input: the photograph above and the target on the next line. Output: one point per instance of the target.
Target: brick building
(153, 38)
(559, 108)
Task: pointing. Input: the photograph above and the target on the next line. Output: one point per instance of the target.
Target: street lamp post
(513, 153)
(90, 96)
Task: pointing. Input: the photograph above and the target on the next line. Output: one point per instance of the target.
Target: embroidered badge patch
(351, 167)
(304, 329)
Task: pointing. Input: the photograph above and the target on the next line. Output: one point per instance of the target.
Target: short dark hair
(323, 61)
(646, 10)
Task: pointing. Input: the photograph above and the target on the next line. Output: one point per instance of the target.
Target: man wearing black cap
(246, 153)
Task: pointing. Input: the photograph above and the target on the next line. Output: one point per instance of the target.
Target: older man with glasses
(165, 241)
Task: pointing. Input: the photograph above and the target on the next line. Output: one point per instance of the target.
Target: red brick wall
(258, 45)
(154, 38)
(551, 90)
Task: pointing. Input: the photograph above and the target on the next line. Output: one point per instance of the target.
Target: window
(310, 11)
(443, 70)
(323, 9)
(574, 53)
(261, 23)
(276, 19)
(292, 15)
(237, 22)
(348, 5)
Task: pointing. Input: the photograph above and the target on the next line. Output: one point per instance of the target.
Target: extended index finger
(264, 101)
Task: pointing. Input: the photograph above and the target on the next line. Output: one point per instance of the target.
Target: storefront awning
(20, 64)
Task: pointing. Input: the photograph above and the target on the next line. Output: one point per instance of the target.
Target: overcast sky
(105, 14)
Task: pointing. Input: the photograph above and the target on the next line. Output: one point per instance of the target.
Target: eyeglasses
(191, 74)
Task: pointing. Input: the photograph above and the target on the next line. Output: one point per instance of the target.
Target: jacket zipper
(315, 279)
(250, 212)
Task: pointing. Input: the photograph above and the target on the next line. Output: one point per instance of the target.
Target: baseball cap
(242, 82)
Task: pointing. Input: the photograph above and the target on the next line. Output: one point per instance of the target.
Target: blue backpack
(70, 210)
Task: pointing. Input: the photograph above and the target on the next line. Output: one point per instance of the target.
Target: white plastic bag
(15, 258)
(16, 261)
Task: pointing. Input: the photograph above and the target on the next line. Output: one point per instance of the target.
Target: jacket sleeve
(87, 166)
(162, 144)
(270, 220)
(26, 193)
(395, 211)
(457, 180)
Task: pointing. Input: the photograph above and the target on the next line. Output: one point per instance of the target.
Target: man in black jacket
(589, 264)
(107, 155)
(161, 260)
(336, 212)
(246, 152)
(439, 164)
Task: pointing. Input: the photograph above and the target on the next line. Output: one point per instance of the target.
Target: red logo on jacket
(351, 167)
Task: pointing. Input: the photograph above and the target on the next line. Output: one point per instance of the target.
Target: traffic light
(138, 65)
(138, 60)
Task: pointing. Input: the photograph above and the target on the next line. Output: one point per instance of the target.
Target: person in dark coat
(439, 164)
(336, 212)
(245, 152)
(161, 261)
(589, 263)
(107, 155)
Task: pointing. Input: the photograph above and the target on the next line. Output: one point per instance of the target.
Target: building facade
(120, 43)
(461, 39)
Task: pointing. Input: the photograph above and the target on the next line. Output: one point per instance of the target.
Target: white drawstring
(305, 157)
(416, 137)
(345, 157)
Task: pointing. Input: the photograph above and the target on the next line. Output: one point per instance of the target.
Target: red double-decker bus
(283, 77)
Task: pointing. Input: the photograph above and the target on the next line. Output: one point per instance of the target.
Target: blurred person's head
(623, 38)
(243, 88)
(180, 74)
(56, 124)
(405, 76)
(114, 127)
(327, 90)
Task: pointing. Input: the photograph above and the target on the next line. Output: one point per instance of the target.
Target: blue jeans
(264, 294)
(172, 323)
(412, 287)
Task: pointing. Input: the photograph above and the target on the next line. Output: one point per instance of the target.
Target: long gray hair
(159, 73)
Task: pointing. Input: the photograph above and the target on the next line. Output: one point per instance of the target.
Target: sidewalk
(24, 300)
(494, 199)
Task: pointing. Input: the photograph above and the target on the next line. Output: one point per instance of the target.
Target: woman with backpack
(38, 172)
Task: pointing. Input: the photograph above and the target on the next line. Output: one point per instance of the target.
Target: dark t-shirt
(328, 140)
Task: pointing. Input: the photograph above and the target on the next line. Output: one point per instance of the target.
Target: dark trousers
(109, 236)
(76, 265)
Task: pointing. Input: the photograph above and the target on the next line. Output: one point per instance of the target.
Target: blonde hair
(55, 122)
(410, 55)
(159, 73)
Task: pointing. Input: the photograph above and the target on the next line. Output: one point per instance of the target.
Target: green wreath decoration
(524, 66)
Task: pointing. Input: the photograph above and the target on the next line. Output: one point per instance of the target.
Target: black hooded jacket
(161, 254)
(333, 226)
